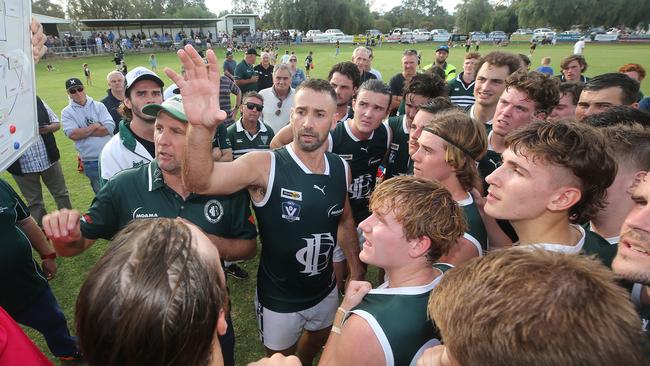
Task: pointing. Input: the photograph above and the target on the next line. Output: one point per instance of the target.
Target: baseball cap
(141, 73)
(252, 51)
(443, 47)
(72, 83)
(173, 106)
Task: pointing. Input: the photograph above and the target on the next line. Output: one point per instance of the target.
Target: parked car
(524, 31)
(421, 35)
(543, 33)
(407, 37)
(498, 36)
(400, 31)
(334, 32)
(440, 35)
(477, 36)
(311, 33)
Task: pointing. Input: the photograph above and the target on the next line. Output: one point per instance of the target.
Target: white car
(334, 32)
(543, 33)
(440, 35)
(311, 33)
(421, 35)
(407, 37)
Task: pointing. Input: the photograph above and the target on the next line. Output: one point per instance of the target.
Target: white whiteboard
(18, 122)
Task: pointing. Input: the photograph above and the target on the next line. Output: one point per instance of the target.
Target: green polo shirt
(141, 193)
(245, 71)
(23, 281)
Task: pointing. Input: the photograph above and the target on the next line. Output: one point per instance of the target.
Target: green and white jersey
(643, 311)
(590, 243)
(298, 220)
(470, 113)
(141, 193)
(489, 162)
(613, 240)
(398, 318)
(398, 154)
(242, 141)
(221, 139)
(461, 94)
(476, 232)
(443, 267)
(364, 158)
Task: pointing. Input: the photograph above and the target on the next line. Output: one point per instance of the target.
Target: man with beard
(410, 61)
(300, 199)
(440, 60)
(153, 190)
(133, 145)
(632, 261)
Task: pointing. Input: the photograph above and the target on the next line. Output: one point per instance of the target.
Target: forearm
(81, 133)
(327, 358)
(197, 163)
(234, 249)
(100, 131)
(347, 240)
(71, 249)
(36, 237)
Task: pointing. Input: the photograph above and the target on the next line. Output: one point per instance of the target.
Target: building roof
(99, 23)
(46, 19)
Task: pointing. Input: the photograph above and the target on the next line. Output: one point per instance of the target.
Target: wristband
(49, 256)
(336, 329)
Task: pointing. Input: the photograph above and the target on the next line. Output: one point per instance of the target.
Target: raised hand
(62, 226)
(354, 293)
(199, 87)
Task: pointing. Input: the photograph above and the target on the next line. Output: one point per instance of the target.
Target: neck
(341, 110)
(553, 228)
(313, 160)
(419, 273)
(358, 134)
(174, 181)
(484, 113)
(440, 63)
(281, 93)
(497, 142)
(609, 220)
(468, 78)
(250, 126)
(118, 95)
(142, 128)
(458, 193)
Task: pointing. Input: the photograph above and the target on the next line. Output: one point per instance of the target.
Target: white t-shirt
(578, 47)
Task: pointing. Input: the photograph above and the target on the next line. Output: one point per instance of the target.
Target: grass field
(50, 85)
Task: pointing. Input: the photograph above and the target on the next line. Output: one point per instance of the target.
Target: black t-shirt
(367, 76)
(149, 145)
(397, 84)
(265, 76)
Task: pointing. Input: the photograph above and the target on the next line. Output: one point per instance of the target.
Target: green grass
(72, 271)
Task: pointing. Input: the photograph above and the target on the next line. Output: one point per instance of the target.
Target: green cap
(173, 106)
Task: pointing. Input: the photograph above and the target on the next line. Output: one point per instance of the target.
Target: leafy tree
(46, 7)
(192, 12)
(383, 25)
(473, 15)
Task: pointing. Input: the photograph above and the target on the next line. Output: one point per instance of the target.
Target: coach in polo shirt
(245, 75)
(156, 190)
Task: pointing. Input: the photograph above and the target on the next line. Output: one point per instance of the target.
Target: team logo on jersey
(239, 141)
(213, 211)
(290, 211)
(264, 139)
(346, 156)
(394, 146)
(2, 209)
(374, 161)
(292, 195)
(364, 148)
(335, 211)
(321, 189)
(315, 256)
(360, 187)
(143, 215)
(391, 156)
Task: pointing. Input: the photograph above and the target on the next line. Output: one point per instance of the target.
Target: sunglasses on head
(75, 90)
(252, 106)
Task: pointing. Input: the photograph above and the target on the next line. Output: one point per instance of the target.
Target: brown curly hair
(543, 89)
(578, 147)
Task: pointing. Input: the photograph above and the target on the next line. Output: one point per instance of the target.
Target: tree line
(355, 16)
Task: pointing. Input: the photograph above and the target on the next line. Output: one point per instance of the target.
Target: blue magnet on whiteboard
(16, 145)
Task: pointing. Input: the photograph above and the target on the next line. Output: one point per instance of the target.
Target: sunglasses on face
(293, 60)
(75, 90)
(256, 106)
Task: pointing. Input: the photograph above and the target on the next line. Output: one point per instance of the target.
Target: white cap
(141, 73)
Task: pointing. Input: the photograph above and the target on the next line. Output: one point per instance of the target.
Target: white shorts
(279, 331)
(339, 256)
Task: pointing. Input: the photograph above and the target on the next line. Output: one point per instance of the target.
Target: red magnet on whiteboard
(12, 129)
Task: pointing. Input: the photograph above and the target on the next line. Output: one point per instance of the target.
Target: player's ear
(638, 178)
(564, 198)
(222, 325)
(419, 246)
